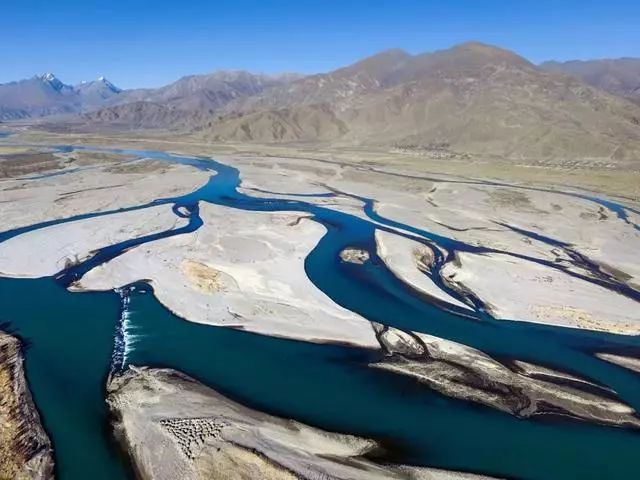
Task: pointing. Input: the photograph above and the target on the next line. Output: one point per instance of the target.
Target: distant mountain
(339, 87)
(470, 99)
(187, 101)
(96, 93)
(37, 96)
(618, 76)
(146, 114)
(45, 95)
(205, 92)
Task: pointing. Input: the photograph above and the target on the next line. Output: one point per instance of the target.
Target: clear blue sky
(139, 43)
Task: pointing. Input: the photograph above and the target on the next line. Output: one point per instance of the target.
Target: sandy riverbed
(47, 251)
(242, 270)
(174, 427)
(495, 217)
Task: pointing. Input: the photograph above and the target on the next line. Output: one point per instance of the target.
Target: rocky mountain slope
(472, 98)
(618, 76)
(186, 103)
(97, 93)
(205, 92)
(146, 114)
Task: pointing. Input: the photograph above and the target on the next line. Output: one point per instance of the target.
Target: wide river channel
(76, 339)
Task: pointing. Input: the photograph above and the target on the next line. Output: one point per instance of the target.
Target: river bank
(174, 427)
(25, 449)
(532, 239)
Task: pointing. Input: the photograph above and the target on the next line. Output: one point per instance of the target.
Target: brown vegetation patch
(232, 462)
(80, 158)
(204, 278)
(18, 164)
(143, 166)
(518, 200)
(382, 179)
(583, 319)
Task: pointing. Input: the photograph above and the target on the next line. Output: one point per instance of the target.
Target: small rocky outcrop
(354, 255)
(174, 427)
(423, 257)
(25, 449)
(521, 389)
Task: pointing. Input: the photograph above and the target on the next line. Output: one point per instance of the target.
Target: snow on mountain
(46, 94)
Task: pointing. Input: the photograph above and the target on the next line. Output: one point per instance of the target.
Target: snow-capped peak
(108, 84)
(52, 80)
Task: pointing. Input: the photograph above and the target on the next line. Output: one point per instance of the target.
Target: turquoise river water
(74, 340)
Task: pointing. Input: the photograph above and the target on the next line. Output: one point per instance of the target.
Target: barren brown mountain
(145, 115)
(186, 103)
(470, 99)
(619, 76)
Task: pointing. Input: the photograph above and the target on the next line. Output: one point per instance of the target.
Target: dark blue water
(327, 386)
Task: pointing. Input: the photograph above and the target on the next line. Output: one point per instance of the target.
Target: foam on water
(124, 339)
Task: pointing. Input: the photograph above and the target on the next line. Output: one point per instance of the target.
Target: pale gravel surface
(463, 372)
(241, 270)
(588, 227)
(279, 178)
(520, 290)
(468, 213)
(174, 427)
(398, 254)
(47, 251)
(631, 363)
(481, 215)
(27, 202)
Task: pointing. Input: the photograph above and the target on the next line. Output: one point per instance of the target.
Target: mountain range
(45, 95)
(188, 102)
(470, 99)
